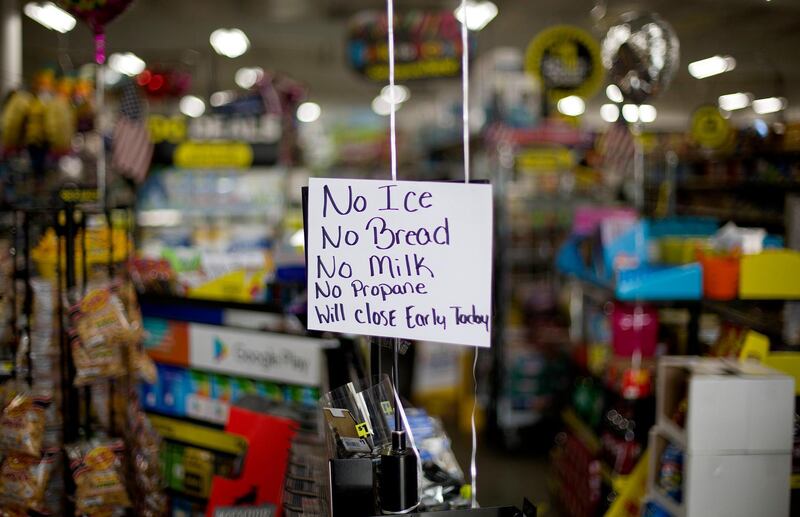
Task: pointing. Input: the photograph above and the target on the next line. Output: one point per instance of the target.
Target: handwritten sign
(400, 259)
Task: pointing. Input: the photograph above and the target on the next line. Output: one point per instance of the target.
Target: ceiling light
(308, 112)
(229, 42)
(247, 77)
(609, 112)
(711, 66)
(769, 105)
(571, 106)
(192, 106)
(382, 107)
(126, 63)
(647, 113)
(401, 93)
(735, 101)
(50, 15)
(220, 98)
(479, 14)
(613, 93)
(630, 112)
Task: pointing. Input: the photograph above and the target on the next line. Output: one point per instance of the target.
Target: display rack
(78, 417)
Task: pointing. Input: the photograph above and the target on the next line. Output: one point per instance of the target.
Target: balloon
(641, 54)
(96, 13)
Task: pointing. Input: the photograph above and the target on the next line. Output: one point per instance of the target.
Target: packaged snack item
(100, 317)
(23, 481)
(22, 424)
(93, 364)
(97, 471)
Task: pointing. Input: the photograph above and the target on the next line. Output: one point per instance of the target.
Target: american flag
(618, 147)
(132, 146)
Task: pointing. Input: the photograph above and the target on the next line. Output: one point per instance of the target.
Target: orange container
(720, 276)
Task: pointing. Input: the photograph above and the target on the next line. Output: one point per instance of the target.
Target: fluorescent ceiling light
(713, 65)
(479, 14)
(609, 112)
(735, 101)
(382, 107)
(647, 113)
(769, 105)
(401, 93)
(50, 15)
(308, 112)
(192, 106)
(613, 93)
(571, 106)
(247, 77)
(630, 112)
(229, 42)
(220, 98)
(126, 63)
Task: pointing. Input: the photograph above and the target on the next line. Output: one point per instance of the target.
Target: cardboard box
(729, 485)
(733, 407)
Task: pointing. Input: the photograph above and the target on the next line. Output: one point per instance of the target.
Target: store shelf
(740, 216)
(199, 435)
(172, 301)
(189, 497)
(751, 315)
(186, 419)
(777, 187)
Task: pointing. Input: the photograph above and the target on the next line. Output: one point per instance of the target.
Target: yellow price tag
(387, 407)
(363, 430)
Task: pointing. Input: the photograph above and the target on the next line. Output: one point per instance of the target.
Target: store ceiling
(306, 40)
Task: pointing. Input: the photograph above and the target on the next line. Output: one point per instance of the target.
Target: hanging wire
(392, 93)
(465, 86)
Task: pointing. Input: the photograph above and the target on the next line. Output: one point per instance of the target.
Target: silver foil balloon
(641, 53)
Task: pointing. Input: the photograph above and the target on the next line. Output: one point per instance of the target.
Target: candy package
(23, 481)
(97, 470)
(22, 424)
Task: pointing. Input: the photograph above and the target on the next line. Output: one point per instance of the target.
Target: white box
(724, 485)
(733, 407)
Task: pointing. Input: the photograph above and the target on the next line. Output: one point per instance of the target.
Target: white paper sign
(401, 259)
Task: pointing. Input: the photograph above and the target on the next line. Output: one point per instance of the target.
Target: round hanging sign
(709, 128)
(566, 60)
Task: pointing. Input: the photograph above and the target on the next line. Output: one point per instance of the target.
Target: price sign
(400, 259)
(566, 60)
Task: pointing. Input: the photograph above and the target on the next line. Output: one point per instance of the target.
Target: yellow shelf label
(199, 436)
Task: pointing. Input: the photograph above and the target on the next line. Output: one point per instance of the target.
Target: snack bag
(96, 468)
(23, 481)
(22, 425)
(99, 316)
(100, 329)
(93, 364)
